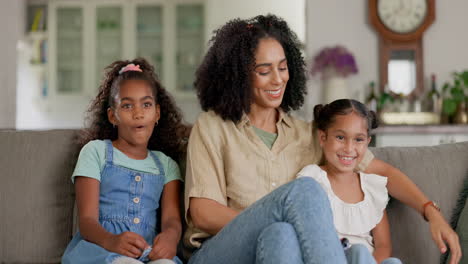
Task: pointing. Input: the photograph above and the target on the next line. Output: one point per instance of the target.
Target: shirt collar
(283, 117)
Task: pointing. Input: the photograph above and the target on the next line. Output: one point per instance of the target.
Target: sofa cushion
(439, 171)
(36, 195)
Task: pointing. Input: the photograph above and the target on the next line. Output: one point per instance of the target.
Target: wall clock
(400, 25)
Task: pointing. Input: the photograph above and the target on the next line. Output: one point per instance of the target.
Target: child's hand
(164, 246)
(127, 243)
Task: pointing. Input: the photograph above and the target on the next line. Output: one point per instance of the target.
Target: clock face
(402, 16)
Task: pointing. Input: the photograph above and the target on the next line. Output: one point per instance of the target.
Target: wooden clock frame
(390, 41)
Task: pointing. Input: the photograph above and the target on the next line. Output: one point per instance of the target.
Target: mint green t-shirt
(267, 137)
(92, 159)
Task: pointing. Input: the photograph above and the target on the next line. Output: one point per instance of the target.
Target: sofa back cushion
(36, 193)
(439, 172)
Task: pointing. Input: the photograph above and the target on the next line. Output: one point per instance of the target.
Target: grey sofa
(37, 199)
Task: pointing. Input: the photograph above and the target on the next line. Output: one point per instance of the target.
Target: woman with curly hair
(242, 205)
(125, 168)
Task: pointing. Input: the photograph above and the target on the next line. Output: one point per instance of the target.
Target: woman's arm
(403, 189)
(205, 182)
(209, 215)
(87, 199)
(382, 239)
(165, 243)
(399, 185)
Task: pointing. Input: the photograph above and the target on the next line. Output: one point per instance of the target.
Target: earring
(156, 123)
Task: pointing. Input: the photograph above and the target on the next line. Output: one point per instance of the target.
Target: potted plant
(455, 96)
(334, 64)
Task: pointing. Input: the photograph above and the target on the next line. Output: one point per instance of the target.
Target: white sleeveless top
(354, 221)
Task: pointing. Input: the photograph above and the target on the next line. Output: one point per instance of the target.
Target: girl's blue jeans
(293, 224)
(360, 254)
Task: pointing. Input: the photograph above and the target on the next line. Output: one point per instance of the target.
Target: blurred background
(54, 51)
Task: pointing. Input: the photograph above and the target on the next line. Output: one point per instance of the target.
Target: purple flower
(337, 58)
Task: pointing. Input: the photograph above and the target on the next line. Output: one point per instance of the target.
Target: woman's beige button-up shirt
(230, 164)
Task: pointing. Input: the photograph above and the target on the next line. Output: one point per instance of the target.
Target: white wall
(334, 22)
(11, 25)
(219, 12)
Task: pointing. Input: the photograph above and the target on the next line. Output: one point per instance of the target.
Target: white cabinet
(420, 135)
(67, 49)
(86, 36)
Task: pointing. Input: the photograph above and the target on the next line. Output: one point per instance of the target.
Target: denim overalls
(128, 201)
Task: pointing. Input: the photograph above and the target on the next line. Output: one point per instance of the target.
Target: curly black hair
(223, 80)
(168, 136)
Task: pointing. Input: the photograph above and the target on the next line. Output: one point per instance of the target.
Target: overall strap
(109, 152)
(158, 163)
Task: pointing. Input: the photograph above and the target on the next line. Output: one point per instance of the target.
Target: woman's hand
(443, 234)
(403, 189)
(164, 246)
(127, 243)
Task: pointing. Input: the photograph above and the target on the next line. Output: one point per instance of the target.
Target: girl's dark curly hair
(168, 136)
(223, 80)
(324, 115)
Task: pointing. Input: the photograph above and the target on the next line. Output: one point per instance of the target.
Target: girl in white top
(357, 199)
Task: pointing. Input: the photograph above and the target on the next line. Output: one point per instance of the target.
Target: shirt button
(136, 220)
(136, 200)
(138, 178)
(273, 184)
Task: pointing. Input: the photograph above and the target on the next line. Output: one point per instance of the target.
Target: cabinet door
(149, 39)
(69, 50)
(108, 37)
(190, 42)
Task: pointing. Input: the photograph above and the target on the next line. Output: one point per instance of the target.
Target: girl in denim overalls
(119, 181)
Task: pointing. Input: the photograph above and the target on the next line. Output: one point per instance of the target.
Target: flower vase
(334, 87)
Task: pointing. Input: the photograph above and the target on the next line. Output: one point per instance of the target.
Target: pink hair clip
(130, 67)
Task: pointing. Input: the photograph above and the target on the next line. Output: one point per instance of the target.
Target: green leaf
(464, 77)
(383, 99)
(445, 87)
(457, 94)
(449, 106)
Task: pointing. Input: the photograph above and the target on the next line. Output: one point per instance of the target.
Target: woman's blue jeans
(293, 224)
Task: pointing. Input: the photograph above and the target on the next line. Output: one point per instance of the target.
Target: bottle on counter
(372, 100)
(433, 100)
